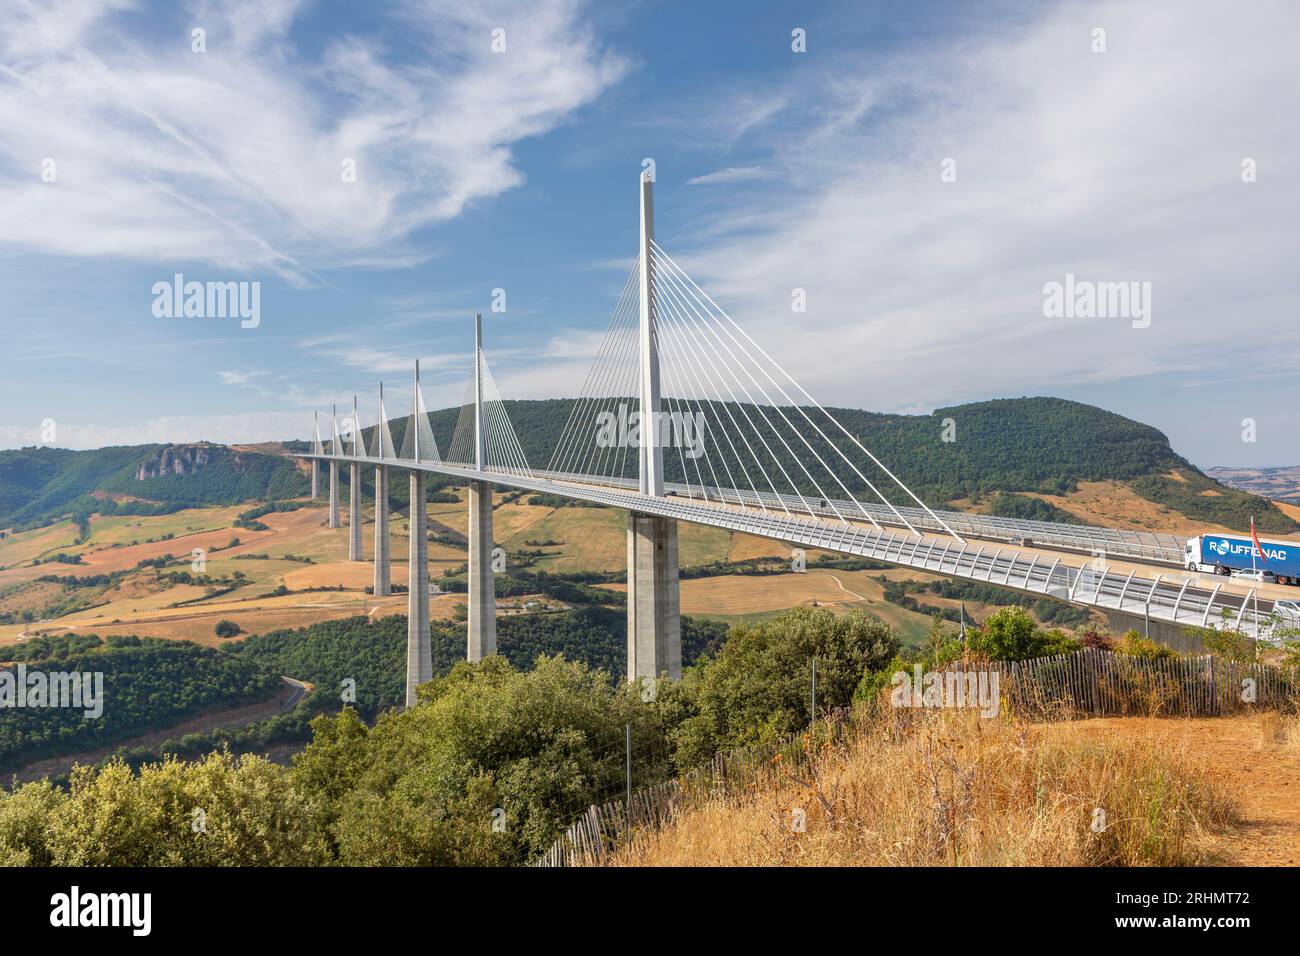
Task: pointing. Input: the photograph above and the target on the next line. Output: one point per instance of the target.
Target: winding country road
(289, 696)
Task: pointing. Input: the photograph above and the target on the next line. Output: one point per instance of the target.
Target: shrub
(1135, 645)
(228, 629)
(760, 685)
(1011, 634)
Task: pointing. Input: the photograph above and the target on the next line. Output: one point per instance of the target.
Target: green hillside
(38, 485)
(1044, 445)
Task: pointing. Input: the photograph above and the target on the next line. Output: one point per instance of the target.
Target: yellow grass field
(589, 538)
(735, 598)
(1112, 504)
(24, 546)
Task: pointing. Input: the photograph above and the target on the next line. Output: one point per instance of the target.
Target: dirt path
(1251, 759)
(841, 586)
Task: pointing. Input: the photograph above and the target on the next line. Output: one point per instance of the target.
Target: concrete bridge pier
(334, 494)
(381, 532)
(354, 513)
(1163, 632)
(654, 620)
(482, 636)
(419, 651)
(315, 480)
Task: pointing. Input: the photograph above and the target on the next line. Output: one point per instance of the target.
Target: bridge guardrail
(1146, 545)
(1173, 600)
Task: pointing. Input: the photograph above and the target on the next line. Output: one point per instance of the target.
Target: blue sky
(775, 170)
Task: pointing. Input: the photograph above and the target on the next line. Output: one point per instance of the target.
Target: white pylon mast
(415, 413)
(652, 459)
(356, 431)
(480, 454)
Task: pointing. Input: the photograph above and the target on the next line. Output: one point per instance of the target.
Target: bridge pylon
(354, 491)
(382, 560)
(334, 469)
(654, 623)
(419, 649)
(315, 464)
(383, 584)
(481, 630)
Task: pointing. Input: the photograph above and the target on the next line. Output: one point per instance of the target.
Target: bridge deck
(1173, 601)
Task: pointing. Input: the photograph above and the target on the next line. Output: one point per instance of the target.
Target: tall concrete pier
(482, 624)
(654, 623)
(354, 488)
(335, 449)
(419, 654)
(382, 570)
(334, 494)
(354, 513)
(654, 620)
(315, 465)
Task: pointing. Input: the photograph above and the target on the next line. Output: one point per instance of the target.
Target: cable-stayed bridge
(683, 416)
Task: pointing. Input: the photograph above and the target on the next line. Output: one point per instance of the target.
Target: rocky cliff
(180, 460)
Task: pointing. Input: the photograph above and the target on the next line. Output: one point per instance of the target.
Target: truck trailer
(1225, 553)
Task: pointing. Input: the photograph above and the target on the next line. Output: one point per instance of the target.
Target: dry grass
(1114, 505)
(1279, 731)
(945, 788)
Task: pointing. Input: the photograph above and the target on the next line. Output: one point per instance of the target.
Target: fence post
(629, 780)
(1214, 689)
(593, 819)
(814, 690)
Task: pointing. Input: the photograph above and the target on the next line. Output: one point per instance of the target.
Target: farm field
(299, 554)
(1114, 505)
(586, 538)
(738, 598)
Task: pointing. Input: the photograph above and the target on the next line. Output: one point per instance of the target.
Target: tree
(219, 811)
(486, 743)
(227, 629)
(760, 685)
(1011, 634)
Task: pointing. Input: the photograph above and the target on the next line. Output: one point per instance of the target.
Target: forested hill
(1044, 445)
(40, 484)
(1014, 444)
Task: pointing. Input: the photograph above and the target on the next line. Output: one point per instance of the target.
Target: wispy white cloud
(238, 376)
(732, 174)
(236, 156)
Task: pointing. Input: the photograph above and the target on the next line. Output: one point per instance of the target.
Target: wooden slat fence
(1095, 683)
(604, 826)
